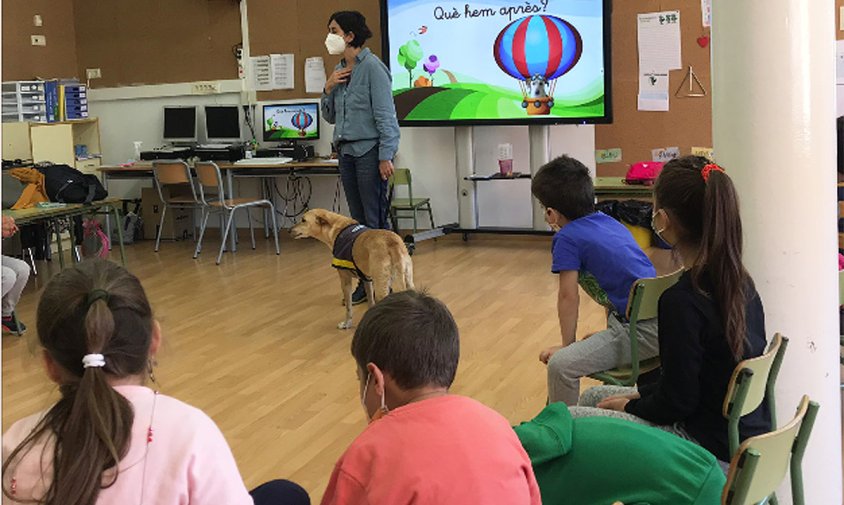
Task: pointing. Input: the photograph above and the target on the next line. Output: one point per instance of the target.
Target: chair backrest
(208, 176)
(643, 301)
(752, 381)
(759, 465)
(402, 177)
(171, 173)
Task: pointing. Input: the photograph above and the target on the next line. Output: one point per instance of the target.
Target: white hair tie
(93, 361)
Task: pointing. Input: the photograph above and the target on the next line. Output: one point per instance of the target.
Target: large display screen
(498, 61)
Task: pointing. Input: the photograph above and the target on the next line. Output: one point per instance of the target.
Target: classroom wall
(156, 41)
(22, 60)
(688, 122)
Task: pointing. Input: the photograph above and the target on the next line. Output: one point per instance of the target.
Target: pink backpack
(643, 172)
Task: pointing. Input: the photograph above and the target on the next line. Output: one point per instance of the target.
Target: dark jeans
(280, 492)
(366, 192)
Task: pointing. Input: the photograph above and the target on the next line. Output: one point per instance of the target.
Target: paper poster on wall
(706, 152)
(282, 66)
(706, 10)
(653, 91)
(261, 75)
(659, 41)
(608, 155)
(314, 74)
(665, 154)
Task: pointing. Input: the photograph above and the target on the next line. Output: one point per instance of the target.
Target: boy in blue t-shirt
(596, 252)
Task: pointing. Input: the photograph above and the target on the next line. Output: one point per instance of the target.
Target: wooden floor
(253, 342)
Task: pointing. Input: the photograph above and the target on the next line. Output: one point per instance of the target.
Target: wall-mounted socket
(93, 73)
(37, 20)
(205, 88)
(39, 40)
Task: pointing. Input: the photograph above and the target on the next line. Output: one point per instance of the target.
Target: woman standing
(358, 101)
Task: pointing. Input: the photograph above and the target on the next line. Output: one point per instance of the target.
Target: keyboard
(213, 146)
(263, 161)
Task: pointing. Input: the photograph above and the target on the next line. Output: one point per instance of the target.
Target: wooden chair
(759, 465)
(642, 304)
(752, 381)
(174, 176)
(402, 177)
(210, 182)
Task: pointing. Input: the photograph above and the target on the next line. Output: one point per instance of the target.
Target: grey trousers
(15, 275)
(603, 350)
(592, 396)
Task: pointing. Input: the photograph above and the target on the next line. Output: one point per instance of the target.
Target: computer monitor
(291, 121)
(222, 123)
(180, 124)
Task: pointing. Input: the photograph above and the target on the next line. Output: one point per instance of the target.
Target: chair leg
(32, 266)
(229, 220)
(431, 215)
(160, 227)
(275, 229)
(414, 220)
(251, 228)
(205, 214)
(222, 222)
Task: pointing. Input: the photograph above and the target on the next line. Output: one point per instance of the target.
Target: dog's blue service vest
(342, 253)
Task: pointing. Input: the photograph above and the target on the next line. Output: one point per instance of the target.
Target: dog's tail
(402, 275)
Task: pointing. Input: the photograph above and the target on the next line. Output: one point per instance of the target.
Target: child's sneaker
(12, 325)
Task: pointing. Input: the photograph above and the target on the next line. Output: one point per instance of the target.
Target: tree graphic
(409, 56)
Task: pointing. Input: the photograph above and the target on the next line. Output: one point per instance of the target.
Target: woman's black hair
(354, 22)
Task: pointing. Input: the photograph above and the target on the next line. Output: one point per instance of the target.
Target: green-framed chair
(752, 381)
(402, 177)
(642, 304)
(759, 465)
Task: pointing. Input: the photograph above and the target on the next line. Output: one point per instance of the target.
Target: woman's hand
(338, 77)
(386, 168)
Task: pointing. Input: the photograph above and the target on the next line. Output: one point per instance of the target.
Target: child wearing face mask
(708, 322)
(597, 253)
(423, 445)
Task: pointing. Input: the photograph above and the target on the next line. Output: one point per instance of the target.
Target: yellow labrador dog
(377, 257)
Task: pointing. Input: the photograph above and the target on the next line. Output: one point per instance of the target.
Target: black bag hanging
(65, 184)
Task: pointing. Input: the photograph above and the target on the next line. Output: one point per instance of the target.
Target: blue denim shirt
(362, 109)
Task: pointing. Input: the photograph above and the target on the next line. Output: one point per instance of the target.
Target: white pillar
(467, 207)
(774, 132)
(540, 154)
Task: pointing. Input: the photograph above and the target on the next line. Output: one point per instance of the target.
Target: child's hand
(545, 355)
(9, 227)
(613, 403)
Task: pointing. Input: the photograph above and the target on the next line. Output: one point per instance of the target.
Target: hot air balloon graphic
(537, 50)
(301, 121)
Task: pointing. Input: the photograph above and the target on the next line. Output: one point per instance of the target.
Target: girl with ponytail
(708, 322)
(110, 439)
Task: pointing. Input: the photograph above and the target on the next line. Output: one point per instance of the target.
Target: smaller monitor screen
(291, 121)
(222, 122)
(180, 123)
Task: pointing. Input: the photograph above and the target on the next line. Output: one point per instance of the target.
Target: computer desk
(231, 171)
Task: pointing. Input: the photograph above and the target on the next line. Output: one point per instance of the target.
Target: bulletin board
(157, 41)
(299, 27)
(688, 122)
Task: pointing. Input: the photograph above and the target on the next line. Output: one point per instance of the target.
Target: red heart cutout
(703, 41)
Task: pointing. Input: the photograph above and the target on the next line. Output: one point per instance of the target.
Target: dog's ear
(321, 221)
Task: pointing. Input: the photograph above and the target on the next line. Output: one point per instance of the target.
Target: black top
(696, 367)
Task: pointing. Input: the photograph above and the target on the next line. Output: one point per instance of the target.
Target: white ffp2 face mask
(335, 44)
